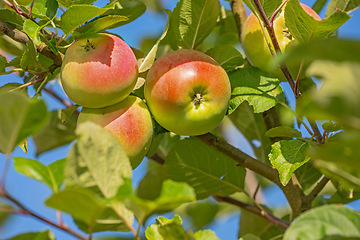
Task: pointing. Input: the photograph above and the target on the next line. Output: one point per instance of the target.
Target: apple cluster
(186, 90)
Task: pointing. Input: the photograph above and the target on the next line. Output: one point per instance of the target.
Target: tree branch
(316, 190)
(255, 210)
(26, 211)
(292, 190)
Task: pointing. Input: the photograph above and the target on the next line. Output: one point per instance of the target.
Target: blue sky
(33, 194)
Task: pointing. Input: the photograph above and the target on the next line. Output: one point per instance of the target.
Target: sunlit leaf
(205, 235)
(256, 87)
(45, 9)
(192, 21)
(287, 156)
(97, 160)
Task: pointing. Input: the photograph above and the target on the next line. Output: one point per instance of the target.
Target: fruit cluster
(186, 90)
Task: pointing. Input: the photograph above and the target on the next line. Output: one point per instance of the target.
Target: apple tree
(273, 72)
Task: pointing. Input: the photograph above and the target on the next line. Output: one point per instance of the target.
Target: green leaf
(3, 62)
(65, 114)
(283, 131)
(166, 229)
(268, 6)
(51, 175)
(77, 15)
(201, 213)
(12, 18)
(81, 203)
(46, 235)
(205, 235)
(252, 224)
(20, 118)
(129, 9)
(331, 126)
(304, 27)
(97, 160)
(150, 186)
(326, 221)
(252, 126)
(192, 21)
(336, 100)
(98, 24)
(208, 171)
(345, 5)
(256, 87)
(307, 175)
(287, 156)
(341, 50)
(55, 134)
(45, 9)
(227, 56)
(28, 59)
(148, 61)
(32, 30)
(249, 236)
(339, 159)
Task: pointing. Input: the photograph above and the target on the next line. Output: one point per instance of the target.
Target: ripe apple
(99, 70)
(187, 92)
(129, 121)
(256, 48)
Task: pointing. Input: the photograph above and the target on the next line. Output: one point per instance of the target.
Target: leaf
(304, 27)
(192, 21)
(287, 156)
(45, 9)
(32, 30)
(336, 100)
(250, 224)
(166, 229)
(227, 56)
(256, 87)
(325, 221)
(201, 213)
(268, 6)
(46, 235)
(3, 62)
(339, 159)
(28, 59)
(51, 175)
(208, 171)
(331, 126)
(81, 203)
(252, 126)
(55, 134)
(98, 24)
(148, 61)
(77, 15)
(150, 186)
(307, 175)
(20, 118)
(66, 113)
(97, 160)
(249, 236)
(345, 5)
(205, 235)
(12, 18)
(283, 131)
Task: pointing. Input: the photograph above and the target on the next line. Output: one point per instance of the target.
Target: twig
(316, 190)
(276, 12)
(255, 210)
(4, 174)
(297, 92)
(26, 211)
(57, 97)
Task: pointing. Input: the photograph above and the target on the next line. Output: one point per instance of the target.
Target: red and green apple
(256, 48)
(99, 70)
(129, 121)
(187, 92)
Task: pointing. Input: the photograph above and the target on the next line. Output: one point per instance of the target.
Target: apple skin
(257, 50)
(98, 71)
(129, 121)
(187, 92)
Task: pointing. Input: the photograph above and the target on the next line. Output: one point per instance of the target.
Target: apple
(257, 50)
(129, 121)
(99, 70)
(187, 92)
